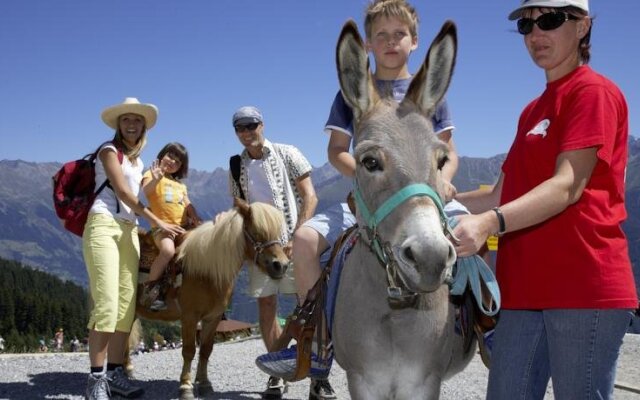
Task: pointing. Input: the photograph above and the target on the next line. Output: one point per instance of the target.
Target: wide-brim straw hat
(130, 105)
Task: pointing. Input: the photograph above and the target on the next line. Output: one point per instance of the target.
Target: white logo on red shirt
(540, 128)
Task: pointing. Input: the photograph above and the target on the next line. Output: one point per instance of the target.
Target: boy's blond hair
(391, 8)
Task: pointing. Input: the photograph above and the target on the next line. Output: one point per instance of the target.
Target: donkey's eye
(442, 161)
(371, 164)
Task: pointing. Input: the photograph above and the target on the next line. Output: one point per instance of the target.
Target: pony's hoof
(204, 389)
(129, 370)
(186, 394)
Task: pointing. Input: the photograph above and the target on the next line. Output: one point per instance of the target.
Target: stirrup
(303, 354)
(150, 292)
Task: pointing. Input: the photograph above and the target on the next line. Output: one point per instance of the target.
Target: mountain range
(32, 234)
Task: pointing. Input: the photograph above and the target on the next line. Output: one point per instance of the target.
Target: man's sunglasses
(546, 22)
(247, 127)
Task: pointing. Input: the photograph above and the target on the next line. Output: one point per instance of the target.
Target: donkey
(393, 331)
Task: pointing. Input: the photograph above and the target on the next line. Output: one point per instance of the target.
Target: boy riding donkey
(391, 28)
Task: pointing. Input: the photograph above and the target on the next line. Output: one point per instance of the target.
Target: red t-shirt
(578, 258)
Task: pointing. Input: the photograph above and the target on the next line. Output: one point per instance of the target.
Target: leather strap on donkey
(309, 319)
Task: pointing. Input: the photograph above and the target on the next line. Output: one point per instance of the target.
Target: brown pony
(211, 256)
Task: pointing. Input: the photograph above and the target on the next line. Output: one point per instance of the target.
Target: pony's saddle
(172, 276)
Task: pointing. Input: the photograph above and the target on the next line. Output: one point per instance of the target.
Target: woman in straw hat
(563, 261)
(111, 248)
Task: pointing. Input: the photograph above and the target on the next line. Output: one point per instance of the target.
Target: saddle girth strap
(308, 319)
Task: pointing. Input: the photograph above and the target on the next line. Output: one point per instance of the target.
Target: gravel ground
(234, 375)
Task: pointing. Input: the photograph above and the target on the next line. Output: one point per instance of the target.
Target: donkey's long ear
(432, 80)
(353, 70)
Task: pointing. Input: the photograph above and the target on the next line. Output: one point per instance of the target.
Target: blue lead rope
(471, 271)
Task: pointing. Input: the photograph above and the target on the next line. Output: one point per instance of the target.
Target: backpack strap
(234, 167)
(106, 182)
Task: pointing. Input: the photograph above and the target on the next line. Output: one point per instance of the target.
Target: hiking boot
(150, 292)
(282, 364)
(158, 305)
(276, 387)
(97, 387)
(120, 384)
(321, 389)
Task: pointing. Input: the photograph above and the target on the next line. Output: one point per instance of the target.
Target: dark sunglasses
(247, 127)
(546, 22)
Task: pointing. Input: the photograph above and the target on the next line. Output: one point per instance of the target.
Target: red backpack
(74, 190)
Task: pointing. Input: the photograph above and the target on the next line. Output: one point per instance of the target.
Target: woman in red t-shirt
(563, 262)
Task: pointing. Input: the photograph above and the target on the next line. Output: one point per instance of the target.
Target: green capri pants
(111, 252)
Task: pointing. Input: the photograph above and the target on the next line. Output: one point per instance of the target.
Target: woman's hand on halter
(472, 232)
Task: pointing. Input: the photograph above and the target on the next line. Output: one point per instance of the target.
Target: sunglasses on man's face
(546, 22)
(247, 127)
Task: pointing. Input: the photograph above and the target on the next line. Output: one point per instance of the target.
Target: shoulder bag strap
(234, 167)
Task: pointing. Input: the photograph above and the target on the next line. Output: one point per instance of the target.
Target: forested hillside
(34, 304)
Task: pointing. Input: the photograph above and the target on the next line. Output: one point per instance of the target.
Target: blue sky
(62, 62)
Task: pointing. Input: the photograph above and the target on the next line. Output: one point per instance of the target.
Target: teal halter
(416, 189)
(398, 296)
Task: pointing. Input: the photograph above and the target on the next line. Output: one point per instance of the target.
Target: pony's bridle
(397, 293)
(258, 246)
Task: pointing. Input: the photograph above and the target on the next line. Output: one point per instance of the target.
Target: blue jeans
(578, 349)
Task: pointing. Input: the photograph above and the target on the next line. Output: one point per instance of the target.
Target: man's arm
(309, 198)
(480, 200)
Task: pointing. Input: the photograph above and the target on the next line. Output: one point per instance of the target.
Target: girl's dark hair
(179, 152)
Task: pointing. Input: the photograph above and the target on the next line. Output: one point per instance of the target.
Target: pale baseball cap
(247, 115)
(517, 13)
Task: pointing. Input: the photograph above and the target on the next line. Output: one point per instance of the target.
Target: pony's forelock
(216, 251)
(267, 219)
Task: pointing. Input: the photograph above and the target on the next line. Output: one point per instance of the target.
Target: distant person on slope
(59, 339)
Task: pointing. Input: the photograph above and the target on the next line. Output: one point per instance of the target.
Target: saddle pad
(148, 251)
(334, 277)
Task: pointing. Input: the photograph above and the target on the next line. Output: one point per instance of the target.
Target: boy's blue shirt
(341, 120)
(341, 115)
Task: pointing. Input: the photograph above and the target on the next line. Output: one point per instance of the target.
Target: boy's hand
(450, 191)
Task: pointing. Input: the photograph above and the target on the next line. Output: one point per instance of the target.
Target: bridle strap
(259, 246)
(416, 189)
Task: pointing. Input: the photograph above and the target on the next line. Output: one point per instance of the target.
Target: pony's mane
(215, 252)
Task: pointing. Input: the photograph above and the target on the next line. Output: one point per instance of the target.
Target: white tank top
(106, 202)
